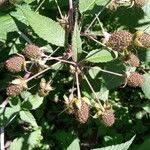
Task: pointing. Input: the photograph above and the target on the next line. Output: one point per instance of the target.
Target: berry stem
(96, 97)
(43, 71)
(59, 9)
(25, 37)
(99, 42)
(110, 72)
(62, 60)
(103, 8)
(39, 5)
(77, 82)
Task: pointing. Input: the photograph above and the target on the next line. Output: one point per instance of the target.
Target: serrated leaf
(76, 42)
(32, 102)
(74, 145)
(123, 146)
(146, 85)
(99, 56)
(28, 118)
(27, 142)
(45, 28)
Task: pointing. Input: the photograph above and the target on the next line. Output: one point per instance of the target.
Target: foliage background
(32, 122)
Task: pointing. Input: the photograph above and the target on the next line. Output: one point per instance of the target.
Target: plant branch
(62, 60)
(71, 22)
(40, 5)
(96, 97)
(77, 82)
(59, 9)
(24, 37)
(103, 8)
(43, 71)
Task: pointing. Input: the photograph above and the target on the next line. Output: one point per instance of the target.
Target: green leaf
(74, 145)
(112, 81)
(85, 5)
(146, 85)
(145, 145)
(97, 56)
(31, 101)
(45, 28)
(123, 146)
(76, 43)
(6, 114)
(27, 142)
(7, 24)
(146, 106)
(28, 118)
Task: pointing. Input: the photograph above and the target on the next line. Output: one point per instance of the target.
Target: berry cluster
(17, 63)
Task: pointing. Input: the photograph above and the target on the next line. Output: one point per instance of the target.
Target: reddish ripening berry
(15, 63)
(142, 39)
(16, 87)
(139, 3)
(119, 40)
(32, 51)
(82, 114)
(132, 60)
(134, 79)
(108, 117)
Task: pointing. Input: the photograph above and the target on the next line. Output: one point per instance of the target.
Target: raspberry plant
(75, 74)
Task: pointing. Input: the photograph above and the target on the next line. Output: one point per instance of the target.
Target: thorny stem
(71, 22)
(59, 9)
(98, 14)
(77, 82)
(93, 92)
